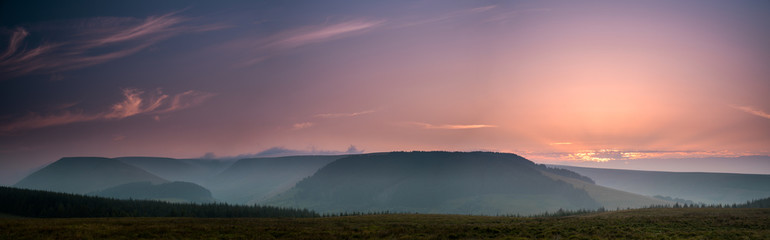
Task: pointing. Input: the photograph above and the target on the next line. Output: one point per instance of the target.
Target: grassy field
(669, 223)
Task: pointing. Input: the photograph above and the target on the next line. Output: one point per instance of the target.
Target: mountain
(85, 174)
(435, 182)
(253, 180)
(709, 188)
(169, 192)
(197, 171)
(756, 164)
(607, 197)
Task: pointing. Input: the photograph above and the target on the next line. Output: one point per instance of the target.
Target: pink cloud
(185, 100)
(14, 42)
(89, 42)
(752, 110)
(298, 126)
(339, 115)
(452, 126)
(299, 37)
(259, 48)
(151, 26)
(135, 102)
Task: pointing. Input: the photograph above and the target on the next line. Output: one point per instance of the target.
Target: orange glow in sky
(555, 81)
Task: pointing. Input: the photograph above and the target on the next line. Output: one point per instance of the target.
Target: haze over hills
(85, 174)
(710, 188)
(430, 182)
(184, 192)
(756, 164)
(434, 182)
(608, 197)
(253, 180)
(198, 171)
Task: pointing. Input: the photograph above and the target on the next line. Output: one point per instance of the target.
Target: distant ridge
(189, 170)
(709, 188)
(85, 174)
(253, 180)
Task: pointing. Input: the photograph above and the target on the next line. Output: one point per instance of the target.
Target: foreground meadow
(669, 223)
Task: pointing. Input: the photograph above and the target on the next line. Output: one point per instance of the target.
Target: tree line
(36, 203)
(45, 204)
(758, 203)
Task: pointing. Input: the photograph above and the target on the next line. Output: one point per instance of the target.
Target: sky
(565, 82)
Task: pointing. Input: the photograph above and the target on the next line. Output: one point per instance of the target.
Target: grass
(680, 223)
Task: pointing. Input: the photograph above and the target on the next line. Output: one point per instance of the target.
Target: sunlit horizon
(584, 83)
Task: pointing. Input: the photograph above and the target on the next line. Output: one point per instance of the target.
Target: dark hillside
(434, 182)
(85, 174)
(169, 192)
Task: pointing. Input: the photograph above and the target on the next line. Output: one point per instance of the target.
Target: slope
(190, 170)
(253, 180)
(611, 198)
(85, 174)
(710, 188)
(170, 192)
(434, 182)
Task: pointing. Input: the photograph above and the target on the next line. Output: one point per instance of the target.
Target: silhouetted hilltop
(169, 192)
(434, 182)
(85, 174)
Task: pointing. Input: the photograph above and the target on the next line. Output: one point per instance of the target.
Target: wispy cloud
(504, 17)
(452, 126)
(83, 43)
(609, 154)
(306, 35)
(260, 48)
(298, 126)
(444, 17)
(282, 151)
(752, 110)
(135, 102)
(339, 115)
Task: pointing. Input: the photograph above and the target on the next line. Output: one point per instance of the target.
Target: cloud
(118, 138)
(452, 126)
(606, 155)
(752, 110)
(282, 151)
(507, 16)
(445, 16)
(135, 102)
(298, 126)
(306, 35)
(560, 143)
(83, 43)
(339, 115)
(184, 100)
(259, 48)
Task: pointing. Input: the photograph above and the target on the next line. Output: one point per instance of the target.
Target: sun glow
(605, 155)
